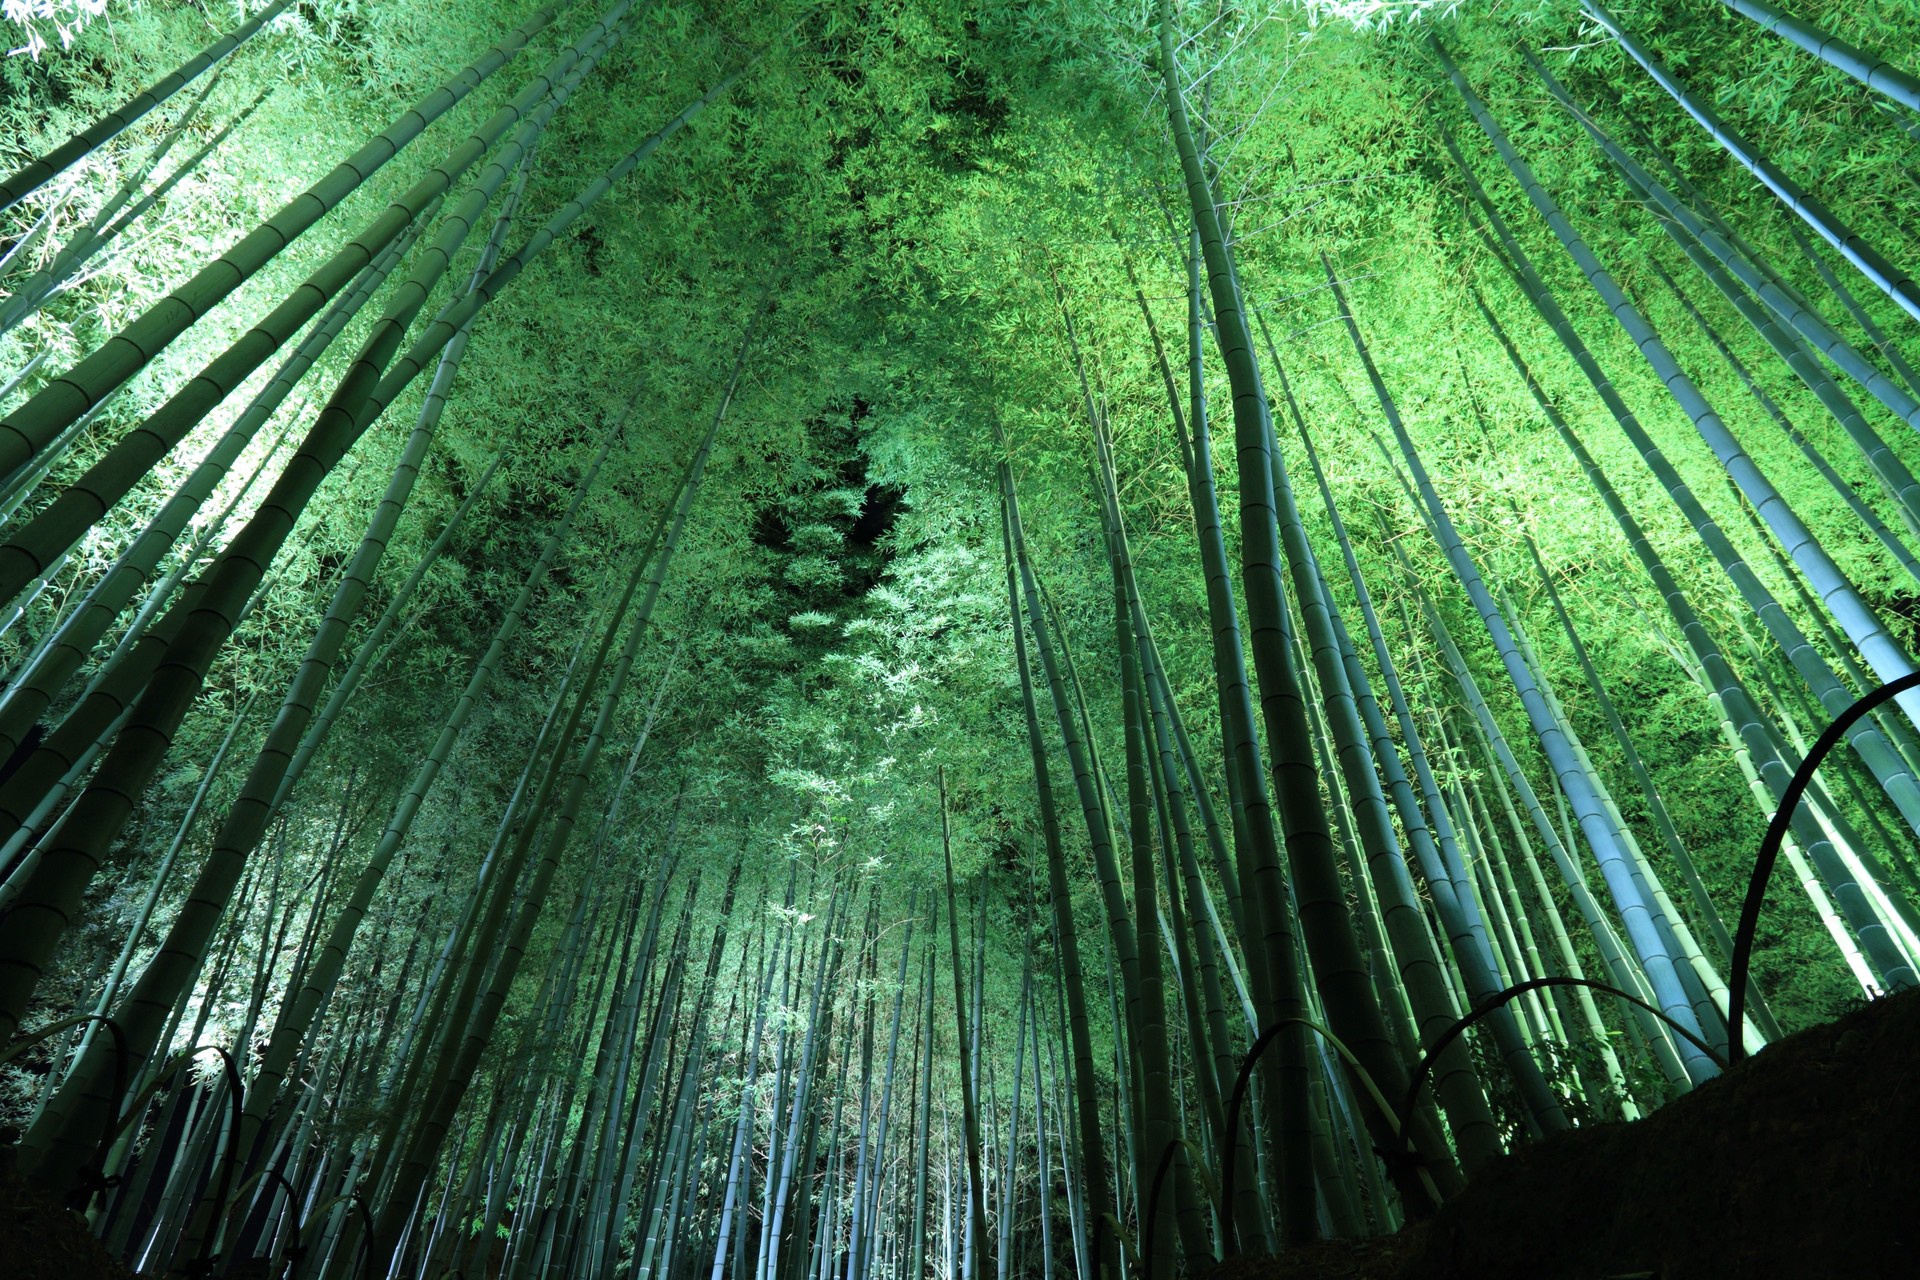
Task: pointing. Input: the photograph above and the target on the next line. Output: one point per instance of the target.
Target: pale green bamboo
(1892, 281)
(1714, 250)
(1635, 912)
(1881, 343)
(27, 295)
(1762, 738)
(1763, 799)
(1705, 986)
(59, 275)
(1784, 301)
(1882, 652)
(1435, 846)
(1621, 966)
(1874, 72)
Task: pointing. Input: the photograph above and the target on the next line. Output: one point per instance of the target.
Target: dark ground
(40, 1240)
(1803, 1163)
(1379, 1258)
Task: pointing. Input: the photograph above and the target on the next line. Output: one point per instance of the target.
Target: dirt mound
(40, 1239)
(1370, 1258)
(1804, 1163)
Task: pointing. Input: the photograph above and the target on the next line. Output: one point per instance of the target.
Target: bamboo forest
(959, 639)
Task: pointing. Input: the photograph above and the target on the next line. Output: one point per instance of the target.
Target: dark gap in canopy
(1904, 606)
(878, 511)
(769, 530)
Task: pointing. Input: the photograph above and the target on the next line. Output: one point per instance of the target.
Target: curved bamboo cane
(1770, 850)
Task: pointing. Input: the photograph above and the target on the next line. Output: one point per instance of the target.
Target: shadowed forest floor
(1377, 1256)
(39, 1237)
(1804, 1162)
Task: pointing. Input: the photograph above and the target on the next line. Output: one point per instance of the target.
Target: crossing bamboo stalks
(1807, 661)
(1876, 73)
(969, 1086)
(41, 677)
(1146, 997)
(1261, 881)
(85, 501)
(1716, 254)
(1887, 538)
(36, 173)
(1882, 345)
(203, 620)
(455, 1074)
(1418, 966)
(1761, 743)
(27, 429)
(1891, 280)
(316, 985)
(1574, 783)
(114, 216)
(1837, 593)
(1066, 931)
(271, 775)
(1807, 331)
